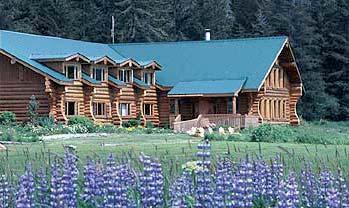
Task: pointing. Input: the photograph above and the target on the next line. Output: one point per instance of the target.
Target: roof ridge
(51, 37)
(214, 80)
(201, 41)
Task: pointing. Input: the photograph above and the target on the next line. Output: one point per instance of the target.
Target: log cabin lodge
(235, 82)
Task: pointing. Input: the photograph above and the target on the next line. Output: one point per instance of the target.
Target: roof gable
(209, 60)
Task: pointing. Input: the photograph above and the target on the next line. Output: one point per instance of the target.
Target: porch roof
(211, 87)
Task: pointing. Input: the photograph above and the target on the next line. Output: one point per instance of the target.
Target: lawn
(172, 150)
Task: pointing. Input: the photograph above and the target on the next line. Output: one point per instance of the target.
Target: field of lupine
(115, 182)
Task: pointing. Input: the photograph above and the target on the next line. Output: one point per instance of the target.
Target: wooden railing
(206, 120)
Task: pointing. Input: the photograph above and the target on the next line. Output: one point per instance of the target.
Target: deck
(209, 120)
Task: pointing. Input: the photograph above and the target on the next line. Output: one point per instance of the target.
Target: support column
(176, 106)
(234, 104)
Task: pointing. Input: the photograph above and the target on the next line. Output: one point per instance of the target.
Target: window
(71, 71)
(148, 78)
(125, 75)
(98, 74)
(230, 105)
(125, 109)
(148, 109)
(99, 109)
(71, 108)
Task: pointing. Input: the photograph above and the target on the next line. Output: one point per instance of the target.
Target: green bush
(46, 121)
(80, 122)
(215, 137)
(7, 118)
(33, 108)
(149, 125)
(272, 133)
(131, 123)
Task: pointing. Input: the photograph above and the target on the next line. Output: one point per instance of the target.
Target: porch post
(176, 106)
(234, 104)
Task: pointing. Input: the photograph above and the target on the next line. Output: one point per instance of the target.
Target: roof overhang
(115, 82)
(105, 60)
(204, 95)
(35, 69)
(130, 63)
(154, 65)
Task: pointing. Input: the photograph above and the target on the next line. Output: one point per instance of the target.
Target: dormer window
(98, 73)
(148, 78)
(125, 75)
(71, 71)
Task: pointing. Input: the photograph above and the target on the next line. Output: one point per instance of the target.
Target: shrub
(46, 121)
(7, 117)
(214, 137)
(131, 123)
(81, 121)
(272, 133)
(149, 125)
(33, 107)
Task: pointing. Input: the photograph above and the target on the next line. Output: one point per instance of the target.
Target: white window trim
(152, 77)
(77, 73)
(96, 113)
(76, 107)
(128, 109)
(104, 72)
(123, 74)
(151, 109)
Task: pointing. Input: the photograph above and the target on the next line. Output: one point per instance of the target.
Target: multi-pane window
(71, 108)
(273, 109)
(230, 105)
(98, 74)
(125, 75)
(125, 109)
(148, 78)
(71, 71)
(148, 109)
(99, 109)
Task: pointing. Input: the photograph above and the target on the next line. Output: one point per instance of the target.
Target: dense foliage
(319, 31)
(249, 183)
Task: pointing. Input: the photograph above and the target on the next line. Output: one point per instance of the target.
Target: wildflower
(25, 195)
(288, 195)
(4, 192)
(69, 179)
(56, 196)
(181, 189)
(42, 189)
(223, 184)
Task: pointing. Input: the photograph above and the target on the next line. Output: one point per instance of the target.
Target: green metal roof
(140, 83)
(209, 60)
(26, 46)
(207, 87)
(116, 81)
(89, 79)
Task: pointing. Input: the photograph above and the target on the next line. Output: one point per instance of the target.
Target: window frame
(67, 108)
(128, 109)
(150, 77)
(102, 112)
(77, 69)
(103, 72)
(151, 109)
(122, 75)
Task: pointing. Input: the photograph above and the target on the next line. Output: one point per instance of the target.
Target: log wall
(17, 85)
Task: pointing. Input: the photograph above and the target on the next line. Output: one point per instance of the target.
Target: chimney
(207, 34)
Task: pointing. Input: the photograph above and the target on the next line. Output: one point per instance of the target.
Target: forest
(318, 30)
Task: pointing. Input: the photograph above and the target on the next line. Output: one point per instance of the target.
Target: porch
(188, 112)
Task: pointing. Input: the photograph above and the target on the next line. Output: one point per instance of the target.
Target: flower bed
(249, 183)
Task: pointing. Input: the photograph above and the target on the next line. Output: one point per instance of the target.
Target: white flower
(221, 130)
(231, 130)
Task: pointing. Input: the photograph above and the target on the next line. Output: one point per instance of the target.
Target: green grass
(172, 150)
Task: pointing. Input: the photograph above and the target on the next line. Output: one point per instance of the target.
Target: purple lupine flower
(309, 187)
(333, 198)
(243, 191)
(69, 179)
(181, 189)
(5, 192)
(203, 192)
(92, 190)
(56, 194)
(260, 178)
(277, 170)
(288, 194)
(345, 198)
(342, 187)
(325, 183)
(223, 184)
(109, 190)
(42, 189)
(123, 182)
(151, 183)
(25, 195)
